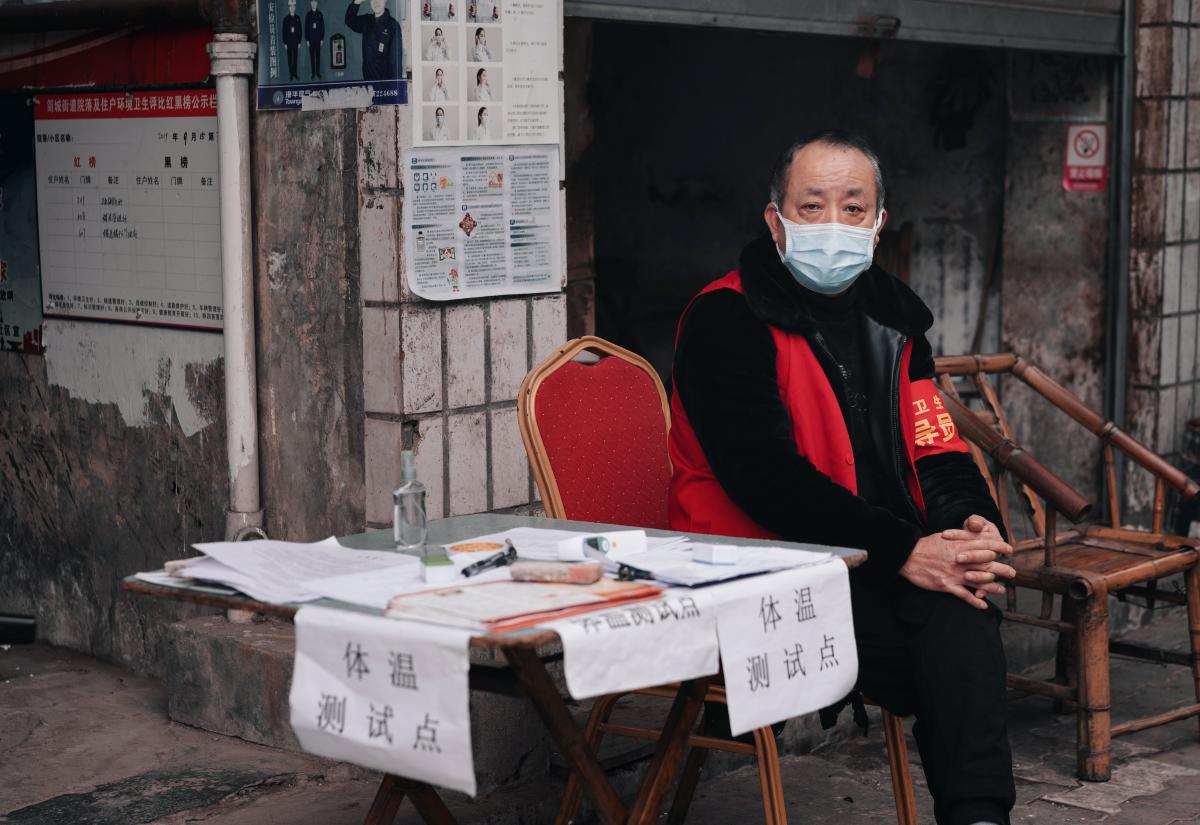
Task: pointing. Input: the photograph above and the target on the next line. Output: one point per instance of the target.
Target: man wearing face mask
(803, 410)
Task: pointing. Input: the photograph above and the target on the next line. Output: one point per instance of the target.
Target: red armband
(933, 431)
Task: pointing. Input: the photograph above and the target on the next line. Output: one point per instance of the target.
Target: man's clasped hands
(965, 563)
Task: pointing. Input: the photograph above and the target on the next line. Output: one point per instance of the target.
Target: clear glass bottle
(408, 501)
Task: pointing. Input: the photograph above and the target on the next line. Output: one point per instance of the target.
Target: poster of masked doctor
(331, 54)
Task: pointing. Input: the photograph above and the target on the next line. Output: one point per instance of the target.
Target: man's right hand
(960, 566)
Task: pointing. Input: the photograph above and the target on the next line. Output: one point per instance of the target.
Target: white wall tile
(1166, 421)
(431, 466)
(510, 467)
(1179, 62)
(421, 344)
(549, 326)
(464, 356)
(1189, 276)
(378, 254)
(382, 442)
(1187, 348)
(381, 360)
(377, 147)
(1191, 207)
(509, 345)
(1171, 259)
(468, 469)
(1177, 134)
(1173, 208)
(1169, 357)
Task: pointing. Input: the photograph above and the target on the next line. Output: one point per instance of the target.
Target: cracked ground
(86, 743)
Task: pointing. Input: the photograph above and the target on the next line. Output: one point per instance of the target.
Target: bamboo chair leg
(1094, 714)
(769, 777)
(1066, 658)
(902, 787)
(573, 793)
(687, 785)
(1192, 581)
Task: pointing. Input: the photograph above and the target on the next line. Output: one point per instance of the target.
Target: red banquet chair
(594, 418)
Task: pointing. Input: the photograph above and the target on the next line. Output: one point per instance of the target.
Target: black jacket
(314, 28)
(726, 378)
(381, 42)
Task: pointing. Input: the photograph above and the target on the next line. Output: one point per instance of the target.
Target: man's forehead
(822, 169)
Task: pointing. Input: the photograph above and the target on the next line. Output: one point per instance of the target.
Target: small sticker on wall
(1085, 168)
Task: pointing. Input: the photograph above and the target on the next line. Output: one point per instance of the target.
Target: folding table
(525, 654)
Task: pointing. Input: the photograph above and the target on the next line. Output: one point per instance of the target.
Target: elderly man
(803, 409)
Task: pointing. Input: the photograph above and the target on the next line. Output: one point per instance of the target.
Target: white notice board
(128, 207)
(482, 221)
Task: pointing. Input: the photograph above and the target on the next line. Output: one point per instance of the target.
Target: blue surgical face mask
(827, 257)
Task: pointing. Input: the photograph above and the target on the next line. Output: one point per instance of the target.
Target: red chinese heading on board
(193, 103)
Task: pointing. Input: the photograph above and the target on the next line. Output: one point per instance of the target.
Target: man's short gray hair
(833, 137)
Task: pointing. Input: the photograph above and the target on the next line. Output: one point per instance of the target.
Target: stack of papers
(280, 571)
(675, 565)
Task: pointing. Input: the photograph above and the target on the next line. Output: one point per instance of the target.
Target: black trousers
(314, 59)
(934, 656)
(293, 55)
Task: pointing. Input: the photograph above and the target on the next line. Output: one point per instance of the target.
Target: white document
(787, 643)
(674, 564)
(375, 588)
(539, 544)
(639, 645)
(277, 571)
(483, 221)
(384, 694)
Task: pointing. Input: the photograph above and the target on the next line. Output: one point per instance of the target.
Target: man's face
(827, 184)
(313, 5)
(378, 6)
(292, 7)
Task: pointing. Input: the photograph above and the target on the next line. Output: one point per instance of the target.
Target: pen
(501, 559)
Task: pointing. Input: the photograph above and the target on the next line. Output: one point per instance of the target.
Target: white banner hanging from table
(639, 645)
(384, 694)
(787, 643)
(483, 221)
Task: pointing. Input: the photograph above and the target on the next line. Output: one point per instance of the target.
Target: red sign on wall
(1086, 166)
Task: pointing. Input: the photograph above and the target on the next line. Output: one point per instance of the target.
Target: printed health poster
(483, 221)
(129, 215)
(331, 54)
(485, 72)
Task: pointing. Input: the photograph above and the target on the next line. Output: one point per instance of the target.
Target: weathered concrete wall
(682, 157)
(1053, 267)
(113, 462)
(1164, 264)
(310, 371)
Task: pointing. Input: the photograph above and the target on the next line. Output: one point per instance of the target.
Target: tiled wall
(439, 378)
(1165, 257)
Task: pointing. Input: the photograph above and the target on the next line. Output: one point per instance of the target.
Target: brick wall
(1164, 389)
(440, 378)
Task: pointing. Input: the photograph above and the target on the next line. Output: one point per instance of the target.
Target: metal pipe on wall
(1116, 354)
(232, 57)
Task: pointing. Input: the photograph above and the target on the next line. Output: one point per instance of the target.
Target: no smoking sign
(1086, 166)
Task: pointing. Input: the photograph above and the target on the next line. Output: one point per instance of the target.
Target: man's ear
(883, 216)
(771, 216)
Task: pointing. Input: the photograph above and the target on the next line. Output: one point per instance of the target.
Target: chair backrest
(594, 419)
(977, 368)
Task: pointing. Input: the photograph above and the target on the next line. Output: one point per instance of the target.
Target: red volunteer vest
(698, 503)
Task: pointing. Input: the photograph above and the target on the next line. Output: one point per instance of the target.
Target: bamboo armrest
(1057, 493)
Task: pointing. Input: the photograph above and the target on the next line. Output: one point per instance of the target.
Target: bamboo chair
(1083, 566)
(594, 419)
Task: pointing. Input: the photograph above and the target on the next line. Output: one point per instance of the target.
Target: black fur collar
(776, 299)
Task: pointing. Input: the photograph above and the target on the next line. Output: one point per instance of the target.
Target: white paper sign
(639, 645)
(384, 694)
(787, 644)
(483, 221)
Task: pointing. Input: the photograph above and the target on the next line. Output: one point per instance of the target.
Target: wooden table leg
(428, 804)
(540, 688)
(668, 754)
(387, 801)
